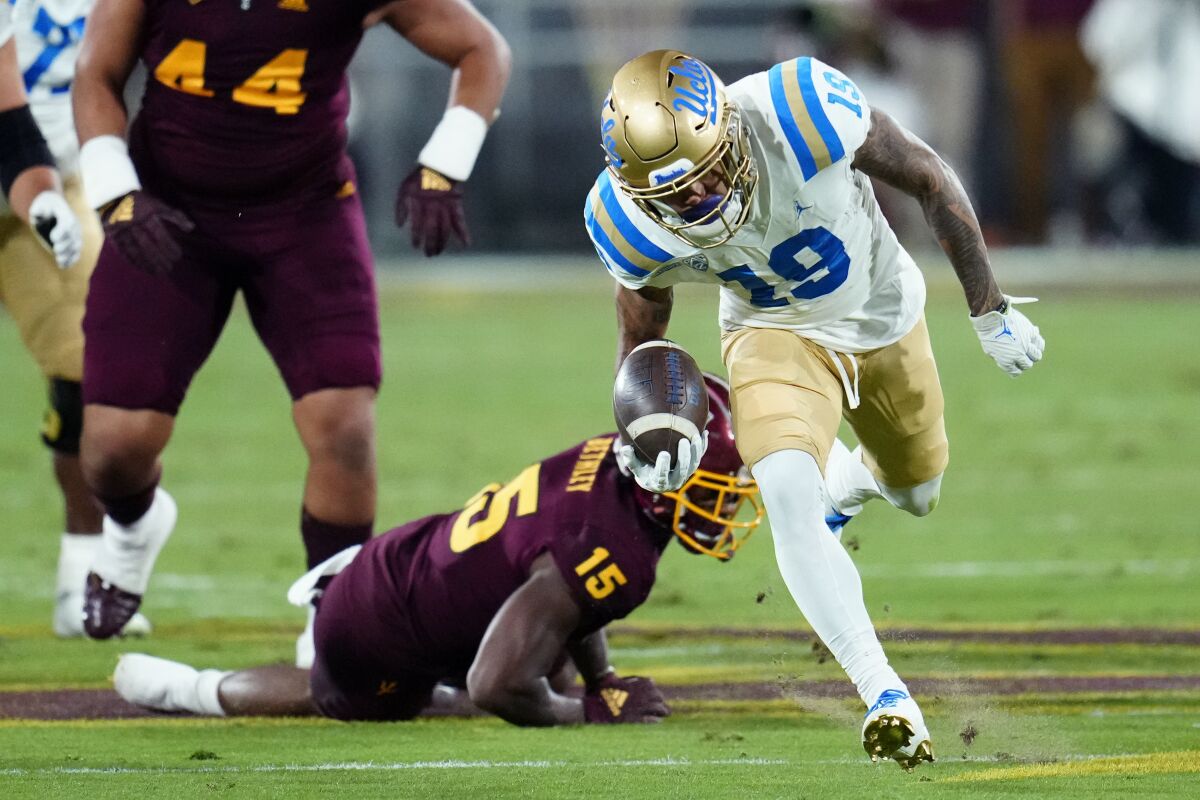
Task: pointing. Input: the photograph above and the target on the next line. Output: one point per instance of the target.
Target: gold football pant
(790, 393)
(46, 302)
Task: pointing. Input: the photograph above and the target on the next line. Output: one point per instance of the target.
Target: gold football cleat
(889, 736)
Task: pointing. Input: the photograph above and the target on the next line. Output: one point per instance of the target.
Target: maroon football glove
(632, 699)
(145, 231)
(435, 204)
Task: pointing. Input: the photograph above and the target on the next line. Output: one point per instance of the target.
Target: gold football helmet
(667, 125)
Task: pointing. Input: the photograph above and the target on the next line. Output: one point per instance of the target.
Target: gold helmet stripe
(798, 107)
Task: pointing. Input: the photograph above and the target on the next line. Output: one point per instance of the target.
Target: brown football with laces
(659, 399)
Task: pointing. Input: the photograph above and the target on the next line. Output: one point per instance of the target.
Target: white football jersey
(5, 23)
(816, 254)
(48, 34)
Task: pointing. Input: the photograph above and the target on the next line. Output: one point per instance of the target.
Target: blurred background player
(764, 189)
(48, 248)
(496, 593)
(236, 178)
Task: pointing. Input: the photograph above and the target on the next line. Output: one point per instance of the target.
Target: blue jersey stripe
(817, 111)
(787, 120)
(625, 225)
(603, 242)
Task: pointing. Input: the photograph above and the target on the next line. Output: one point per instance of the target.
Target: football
(659, 399)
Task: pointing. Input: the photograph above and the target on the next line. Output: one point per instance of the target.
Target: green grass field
(1049, 607)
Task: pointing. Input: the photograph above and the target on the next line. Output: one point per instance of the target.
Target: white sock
(208, 700)
(75, 555)
(819, 572)
(127, 552)
(167, 685)
(847, 479)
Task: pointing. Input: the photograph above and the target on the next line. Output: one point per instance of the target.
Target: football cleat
(894, 728)
(121, 571)
(68, 618)
(836, 520)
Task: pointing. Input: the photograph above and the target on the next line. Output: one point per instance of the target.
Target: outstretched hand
(660, 476)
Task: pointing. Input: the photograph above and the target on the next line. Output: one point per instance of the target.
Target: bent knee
(119, 448)
(339, 427)
(919, 500)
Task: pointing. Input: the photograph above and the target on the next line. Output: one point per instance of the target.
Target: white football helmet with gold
(666, 126)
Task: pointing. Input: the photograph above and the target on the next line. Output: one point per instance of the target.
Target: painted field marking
(1053, 568)
(371, 766)
(1183, 761)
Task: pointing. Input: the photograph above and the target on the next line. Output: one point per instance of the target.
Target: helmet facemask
(707, 508)
(731, 160)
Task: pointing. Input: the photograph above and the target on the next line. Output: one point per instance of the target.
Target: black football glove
(633, 699)
(435, 204)
(145, 231)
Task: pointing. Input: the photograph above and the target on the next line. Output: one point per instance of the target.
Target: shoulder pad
(821, 112)
(630, 244)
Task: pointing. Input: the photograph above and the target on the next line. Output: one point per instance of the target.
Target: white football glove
(1008, 336)
(660, 477)
(57, 227)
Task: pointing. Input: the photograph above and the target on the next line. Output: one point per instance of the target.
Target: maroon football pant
(306, 276)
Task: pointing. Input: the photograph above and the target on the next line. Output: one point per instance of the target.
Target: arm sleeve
(608, 575)
(821, 113)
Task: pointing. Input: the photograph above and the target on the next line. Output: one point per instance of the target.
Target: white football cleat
(894, 728)
(122, 567)
(164, 685)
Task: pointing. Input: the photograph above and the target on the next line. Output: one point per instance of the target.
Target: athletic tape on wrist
(106, 170)
(455, 143)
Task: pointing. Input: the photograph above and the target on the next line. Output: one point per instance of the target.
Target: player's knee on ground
(491, 690)
(917, 500)
(62, 424)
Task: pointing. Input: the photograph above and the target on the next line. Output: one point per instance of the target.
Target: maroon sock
(129, 509)
(324, 539)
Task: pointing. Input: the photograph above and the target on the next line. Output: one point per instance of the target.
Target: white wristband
(455, 143)
(106, 170)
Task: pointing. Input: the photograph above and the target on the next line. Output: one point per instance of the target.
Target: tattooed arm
(642, 315)
(900, 159)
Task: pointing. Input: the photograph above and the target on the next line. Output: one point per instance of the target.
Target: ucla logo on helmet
(607, 141)
(696, 89)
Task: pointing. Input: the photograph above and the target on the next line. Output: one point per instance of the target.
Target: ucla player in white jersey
(44, 265)
(764, 189)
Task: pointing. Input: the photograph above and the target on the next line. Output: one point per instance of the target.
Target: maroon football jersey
(246, 100)
(425, 592)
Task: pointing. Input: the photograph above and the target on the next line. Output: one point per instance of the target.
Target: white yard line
(1025, 569)
(371, 766)
(456, 764)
